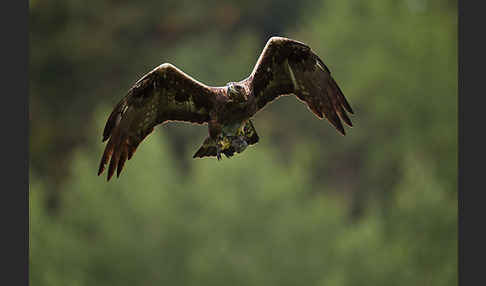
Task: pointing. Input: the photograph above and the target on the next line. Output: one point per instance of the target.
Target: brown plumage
(167, 94)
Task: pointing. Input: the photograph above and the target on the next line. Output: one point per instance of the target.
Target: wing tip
(339, 126)
(117, 151)
(349, 109)
(101, 168)
(344, 102)
(348, 121)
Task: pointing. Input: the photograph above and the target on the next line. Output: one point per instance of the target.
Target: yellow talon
(225, 143)
(241, 129)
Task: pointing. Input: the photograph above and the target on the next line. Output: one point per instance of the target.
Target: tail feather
(208, 148)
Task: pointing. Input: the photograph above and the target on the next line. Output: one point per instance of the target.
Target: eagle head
(236, 92)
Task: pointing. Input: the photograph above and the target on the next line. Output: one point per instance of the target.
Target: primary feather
(164, 94)
(290, 67)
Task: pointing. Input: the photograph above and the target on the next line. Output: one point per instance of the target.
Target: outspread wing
(290, 67)
(164, 94)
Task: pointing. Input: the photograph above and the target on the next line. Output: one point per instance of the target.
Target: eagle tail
(207, 149)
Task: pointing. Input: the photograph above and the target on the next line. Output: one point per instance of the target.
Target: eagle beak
(231, 90)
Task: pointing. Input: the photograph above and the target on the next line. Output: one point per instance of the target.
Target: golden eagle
(166, 93)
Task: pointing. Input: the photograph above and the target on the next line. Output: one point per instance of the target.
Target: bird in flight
(165, 94)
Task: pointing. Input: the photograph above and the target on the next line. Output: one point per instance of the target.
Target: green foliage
(305, 206)
(243, 221)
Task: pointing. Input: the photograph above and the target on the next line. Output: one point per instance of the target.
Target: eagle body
(166, 94)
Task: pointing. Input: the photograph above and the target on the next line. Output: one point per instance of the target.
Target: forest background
(305, 206)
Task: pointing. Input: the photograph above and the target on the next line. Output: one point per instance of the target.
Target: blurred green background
(305, 206)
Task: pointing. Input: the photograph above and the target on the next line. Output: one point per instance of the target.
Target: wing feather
(164, 94)
(290, 67)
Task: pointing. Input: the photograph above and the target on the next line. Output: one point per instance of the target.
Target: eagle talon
(239, 144)
(218, 152)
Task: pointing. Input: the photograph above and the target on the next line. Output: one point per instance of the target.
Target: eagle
(166, 93)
